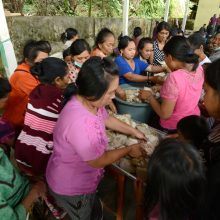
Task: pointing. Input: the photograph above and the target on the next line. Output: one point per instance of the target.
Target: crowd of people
(54, 117)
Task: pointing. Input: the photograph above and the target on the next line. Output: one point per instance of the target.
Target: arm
(111, 156)
(117, 125)
(164, 109)
(135, 77)
(156, 69)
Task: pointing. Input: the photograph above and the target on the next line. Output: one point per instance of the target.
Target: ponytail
(192, 58)
(63, 37)
(68, 34)
(179, 48)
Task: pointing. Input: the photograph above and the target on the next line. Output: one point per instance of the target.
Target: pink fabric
(155, 213)
(184, 88)
(79, 136)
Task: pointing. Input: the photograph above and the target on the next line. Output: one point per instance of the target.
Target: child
(35, 142)
(175, 182)
(67, 56)
(194, 129)
(68, 59)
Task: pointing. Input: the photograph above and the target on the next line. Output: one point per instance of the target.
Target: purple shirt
(79, 136)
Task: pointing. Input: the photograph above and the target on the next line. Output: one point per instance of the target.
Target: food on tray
(132, 94)
(117, 140)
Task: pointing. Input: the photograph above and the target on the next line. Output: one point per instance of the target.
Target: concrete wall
(206, 9)
(49, 28)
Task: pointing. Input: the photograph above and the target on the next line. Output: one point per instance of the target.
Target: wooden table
(120, 175)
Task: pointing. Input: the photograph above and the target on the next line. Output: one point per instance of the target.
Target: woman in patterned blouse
(163, 32)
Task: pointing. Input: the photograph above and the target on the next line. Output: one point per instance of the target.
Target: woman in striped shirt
(35, 142)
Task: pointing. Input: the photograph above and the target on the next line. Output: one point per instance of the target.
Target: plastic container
(139, 111)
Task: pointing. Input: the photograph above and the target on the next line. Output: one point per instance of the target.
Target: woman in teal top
(16, 194)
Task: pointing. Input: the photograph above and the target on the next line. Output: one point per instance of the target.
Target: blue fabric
(124, 68)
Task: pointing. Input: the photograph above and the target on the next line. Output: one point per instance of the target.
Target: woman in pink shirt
(182, 89)
(80, 142)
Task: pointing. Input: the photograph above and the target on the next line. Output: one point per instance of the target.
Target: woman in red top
(35, 142)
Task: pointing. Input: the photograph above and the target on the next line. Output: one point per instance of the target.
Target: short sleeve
(86, 139)
(123, 66)
(142, 65)
(169, 89)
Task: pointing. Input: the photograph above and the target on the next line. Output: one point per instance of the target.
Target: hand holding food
(136, 150)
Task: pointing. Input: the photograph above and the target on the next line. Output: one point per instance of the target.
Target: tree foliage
(96, 8)
(147, 8)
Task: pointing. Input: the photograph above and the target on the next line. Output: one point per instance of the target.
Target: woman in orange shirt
(23, 82)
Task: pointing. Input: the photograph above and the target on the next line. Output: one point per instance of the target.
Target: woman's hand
(156, 88)
(136, 150)
(139, 135)
(144, 95)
